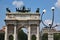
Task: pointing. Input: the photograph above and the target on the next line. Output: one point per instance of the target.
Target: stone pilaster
(29, 33)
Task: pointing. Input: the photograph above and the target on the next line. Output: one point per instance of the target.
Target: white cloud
(50, 21)
(47, 22)
(58, 27)
(57, 4)
(18, 3)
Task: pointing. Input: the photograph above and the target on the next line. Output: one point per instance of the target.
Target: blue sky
(33, 4)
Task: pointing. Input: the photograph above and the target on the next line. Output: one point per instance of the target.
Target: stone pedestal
(50, 36)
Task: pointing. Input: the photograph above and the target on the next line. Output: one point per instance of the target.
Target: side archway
(10, 37)
(33, 37)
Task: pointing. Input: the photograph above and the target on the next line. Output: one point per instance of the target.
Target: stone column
(38, 30)
(29, 33)
(50, 36)
(15, 34)
(6, 33)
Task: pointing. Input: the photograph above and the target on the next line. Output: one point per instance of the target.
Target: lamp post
(50, 35)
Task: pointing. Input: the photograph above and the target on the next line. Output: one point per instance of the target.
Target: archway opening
(22, 34)
(10, 37)
(33, 37)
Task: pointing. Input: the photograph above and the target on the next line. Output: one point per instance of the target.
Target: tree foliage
(1, 36)
(56, 36)
(33, 37)
(10, 37)
(22, 35)
(45, 36)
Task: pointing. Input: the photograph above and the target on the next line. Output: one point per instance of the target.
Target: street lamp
(44, 11)
(50, 26)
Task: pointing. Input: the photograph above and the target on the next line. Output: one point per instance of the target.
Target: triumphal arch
(22, 18)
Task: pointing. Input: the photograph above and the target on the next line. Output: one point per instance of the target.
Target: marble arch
(16, 20)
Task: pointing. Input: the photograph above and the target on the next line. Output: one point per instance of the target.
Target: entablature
(23, 16)
(7, 22)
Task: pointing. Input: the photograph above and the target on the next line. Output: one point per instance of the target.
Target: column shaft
(29, 33)
(15, 35)
(38, 30)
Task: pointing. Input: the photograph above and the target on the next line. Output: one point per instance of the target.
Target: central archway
(22, 35)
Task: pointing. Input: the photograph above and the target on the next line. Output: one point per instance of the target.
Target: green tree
(45, 36)
(22, 35)
(1, 36)
(33, 37)
(10, 37)
(56, 36)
